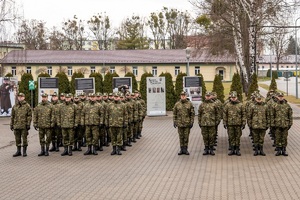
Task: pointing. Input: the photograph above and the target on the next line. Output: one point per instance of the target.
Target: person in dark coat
(5, 96)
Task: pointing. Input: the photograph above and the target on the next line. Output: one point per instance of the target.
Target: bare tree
(56, 39)
(74, 33)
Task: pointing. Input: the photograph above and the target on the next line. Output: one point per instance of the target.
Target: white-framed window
(49, 70)
(287, 66)
(70, 71)
(112, 69)
(221, 73)
(197, 70)
(93, 69)
(135, 71)
(177, 70)
(14, 70)
(154, 70)
(28, 70)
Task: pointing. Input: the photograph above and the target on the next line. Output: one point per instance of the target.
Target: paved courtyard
(151, 169)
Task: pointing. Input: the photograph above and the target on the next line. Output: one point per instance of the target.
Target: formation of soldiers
(260, 114)
(73, 122)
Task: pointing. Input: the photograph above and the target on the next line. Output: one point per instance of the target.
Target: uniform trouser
(78, 134)
(101, 136)
(234, 134)
(184, 133)
(21, 134)
(130, 130)
(281, 135)
(55, 134)
(68, 136)
(134, 128)
(140, 126)
(116, 136)
(208, 134)
(45, 136)
(258, 136)
(92, 134)
(125, 136)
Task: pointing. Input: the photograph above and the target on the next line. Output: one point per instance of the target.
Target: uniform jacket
(68, 115)
(281, 115)
(116, 115)
(234, 114)
(92, 114)
(259, 116)
(183, 113)
(21, 115)
(44, 115)
(208, 113)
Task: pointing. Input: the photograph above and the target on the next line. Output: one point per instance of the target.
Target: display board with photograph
(86, 85)
(8, 92)
(122, 84)
(47, 85)
(156, 96)
(193, 87)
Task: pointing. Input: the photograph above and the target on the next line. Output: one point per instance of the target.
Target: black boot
(129, 143)
(53, 147)
(60, 143)
(256, 150)
(186, 152)
(57, 146)
(206, 151)
(24, 151)
(83, 142)
(119, 150)
(114, 152)
(70, 151)
(137, 136)
(278, 153)
(75, 147)
(42, 151)
(95, 150)
(232, 151)
(237, 151)
(79, 146)
(88, 151)
(65, 152)
(181, 151)
(284, 151)
(18, 153)
(47, 151)
(262, 151)
(101, 147)
(212, 150)
(123, 148)
(133, 139)
(140, 134)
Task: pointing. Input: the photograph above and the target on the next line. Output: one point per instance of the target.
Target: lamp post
(296, 49)
(188, 55)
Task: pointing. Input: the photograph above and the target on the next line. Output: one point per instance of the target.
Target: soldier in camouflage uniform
(68, 121)
(125, 129)
(208, 118)
(144, 113)
(271, 101)
(282, 121)
(183, 118)
(132, 117)
(62, 99)
(219, 104)
(116, 119)
(20, 121)
(56, 131)
(84, 100)
(92, 116)
(234, 119)
(79, 130)
(106, 134)
(43, 121)
(136, 122)
(259, 121)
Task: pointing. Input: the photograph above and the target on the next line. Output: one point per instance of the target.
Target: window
(177, 70)
(70, 71)
(135, 71)
(287, 66)
(93, 69)
(154, 71)
(281, 66)
(263, 67)
(221, 73)
(197, 70)
(28, 70)
(14, 71)
(49, 70)
(112, 69)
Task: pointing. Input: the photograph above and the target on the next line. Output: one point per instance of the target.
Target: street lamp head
(188, 52)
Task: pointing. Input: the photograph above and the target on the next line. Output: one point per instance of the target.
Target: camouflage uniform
(20, 121)
(79, 130)
(208, 119)
(44, 121)
(259, 121)
(144, 113)
(234, 119)
(220, 110)
(56, 131)
(68, 121)
(281, 120)
(116, 119)
(132, 117)
(138, 119)
(106, 134)
(125, 129)
(271, 103)
(92, 116)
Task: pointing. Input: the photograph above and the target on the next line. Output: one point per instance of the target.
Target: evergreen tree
(107, 84)
(273, 85)
(218, 87)
(9, 75)
(143, 85)
(291, 50)
(274, 73)
(24, 86)
(133, 78)
(36, 95)
(236, 85)
(203, 86)
(63, 83)
(179, 84)
(253, 86)
(74, 76)
(170, 93)
(98, 81)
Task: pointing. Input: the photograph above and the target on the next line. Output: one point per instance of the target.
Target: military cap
(132, 94)
(116, 95)
(121, 95)
(233, 94)
(68, 96)
(280, 94)
(54, 94)
(82, 94)
(98, 94)
(6, 78)
(136, 91)
(44, 95)
(259, 96)
(21, 94)
(127, 94)
(62, 94)
(105, 94)
(213, 93)
(110, 94)
(183, 93)
(92, 94)
(76, 96)
(208, 93)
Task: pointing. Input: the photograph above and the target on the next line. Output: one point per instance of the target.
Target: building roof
(113, 57)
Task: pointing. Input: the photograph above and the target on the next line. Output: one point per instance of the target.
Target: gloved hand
(36, 128)
(225, 126)
(175, 125)
(243, 127)
(11, 127)
(191, 126)
(28, 127)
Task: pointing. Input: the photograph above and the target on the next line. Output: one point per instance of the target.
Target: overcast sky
(53, 12)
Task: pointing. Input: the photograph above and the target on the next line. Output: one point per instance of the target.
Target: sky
(54, 12)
